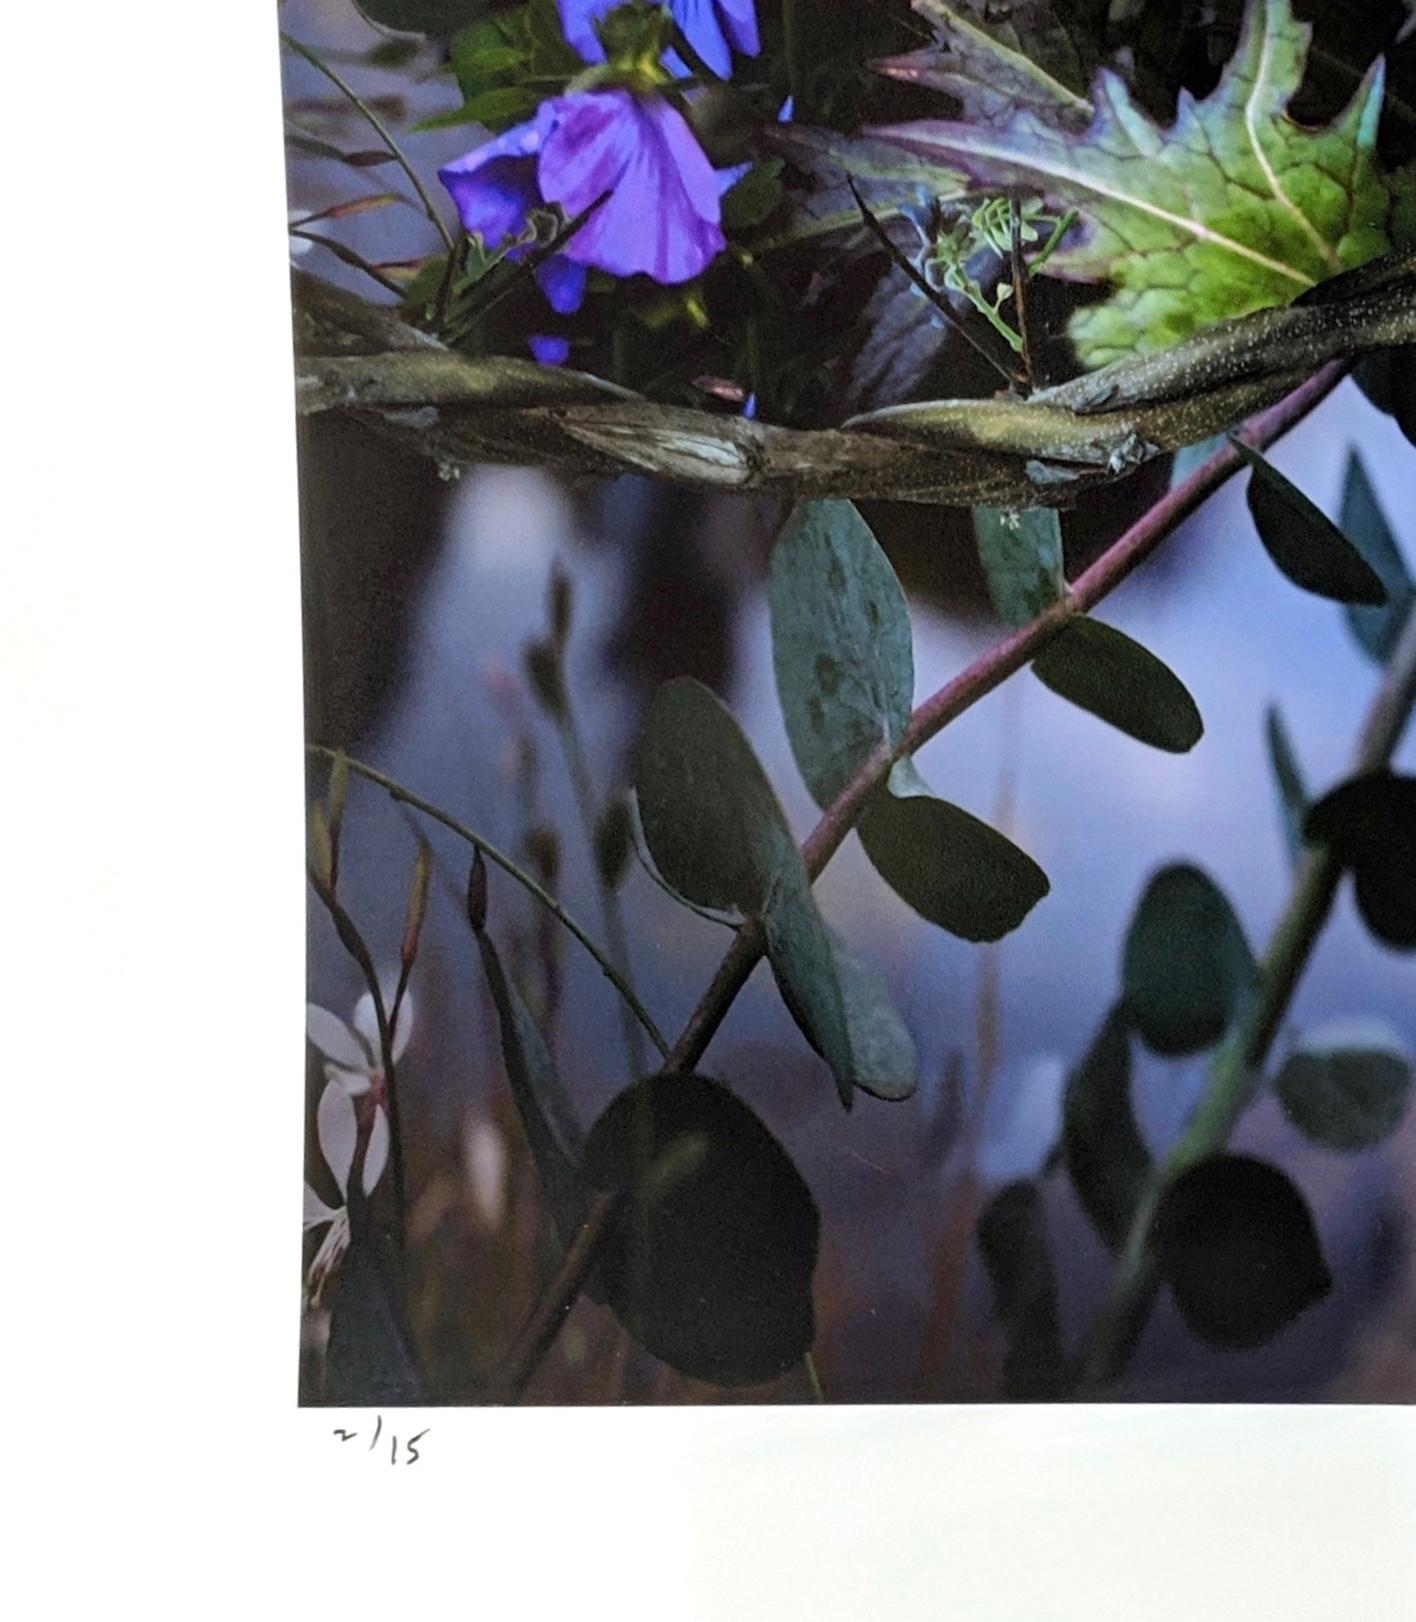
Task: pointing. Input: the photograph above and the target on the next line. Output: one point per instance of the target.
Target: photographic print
(859, 595)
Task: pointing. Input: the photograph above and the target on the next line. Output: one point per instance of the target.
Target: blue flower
(661, 214)
(708, 25)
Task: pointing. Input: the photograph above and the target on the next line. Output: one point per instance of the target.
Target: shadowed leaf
(1287, 775)
(1303, 541)
(1101, 670)
(1388, 379)
(841, 644)
(1106, 1156)
(369, 1360)
(1370, 824)
(803, 959)
(1364, 522)
(1186, 969)
(1021, 553)
(949, 866)
(1348, 1084)
(1236, 1244)
(708, 1256)
(439, 17)
(1012, 1239)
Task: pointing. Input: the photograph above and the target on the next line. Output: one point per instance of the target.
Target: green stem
(404, 796)
(379, 128)
(1237, 1071)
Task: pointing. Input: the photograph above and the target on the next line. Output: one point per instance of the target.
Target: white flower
(353, 1068)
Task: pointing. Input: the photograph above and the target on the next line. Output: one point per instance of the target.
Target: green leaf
(710, 819)
(1302, 540)
(1348, 1084)
(995, 60)
(1101, 670)
(1189, 458)
(1186, 968)
(803, 959)
(1237, 1246)
(1012, 1239)
(754, 199)
(1233, 208)
(884, 1062)
(1365, 525)
(1388, 379)
(841, 644)
(437, 17)
(950, 867)
(1287, 774)
(613, 841)
(708, 1254)
(1021, 553)
(369, 1360)
(1107, 1159)
(553, 1132)
(1369, 822)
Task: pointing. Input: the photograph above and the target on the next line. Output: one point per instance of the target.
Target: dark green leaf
(614, 841)
(708, 1255)
(880, 1055)
(803, 958)
(951, 868)
(840, 644)
(1292, 795)
(1012, 1238)
(369, 1360)
(753, 200)
(1388, 379)
(1106, 1157)
(1101, 670)
(1236, 1244)
(1347, 1086)
(1187, 969)
(1363, 520)
(1021, 553)
(1370, 824)
(1303, 541)
(552, 1131)
(437, 17)
(710, 818)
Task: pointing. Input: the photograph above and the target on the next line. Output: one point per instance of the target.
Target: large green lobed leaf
(1233, 208)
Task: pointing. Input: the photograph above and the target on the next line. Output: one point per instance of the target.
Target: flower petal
(334, 1039)
(377, 1156)
(367, 1024)
(563, 283)
(548, 349)
(662, 214)
(494, 186)
(578, 19)
(317, 1213)
(337, 1131)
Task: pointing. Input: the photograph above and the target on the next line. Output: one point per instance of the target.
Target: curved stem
(1238, 1066)
(379, 128)
(988, 671)
(404, 796)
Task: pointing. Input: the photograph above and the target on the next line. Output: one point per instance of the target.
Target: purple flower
(661, 215)
(708, 26)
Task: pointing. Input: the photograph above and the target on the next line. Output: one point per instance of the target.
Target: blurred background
(421, 594)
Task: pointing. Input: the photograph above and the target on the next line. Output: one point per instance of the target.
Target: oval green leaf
(1303, 541)
(949, 866)
(1012, 1239)
(1101, 670)
(803, 958)
(1364, 522)
(708, 1254)
(1347, 1086)
(840, 644)
(1236, 1244)
(1288, 777)
(1186, 969)
(1021, 554)
(1107, 1159)
(710, 818)
(1369, 823)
